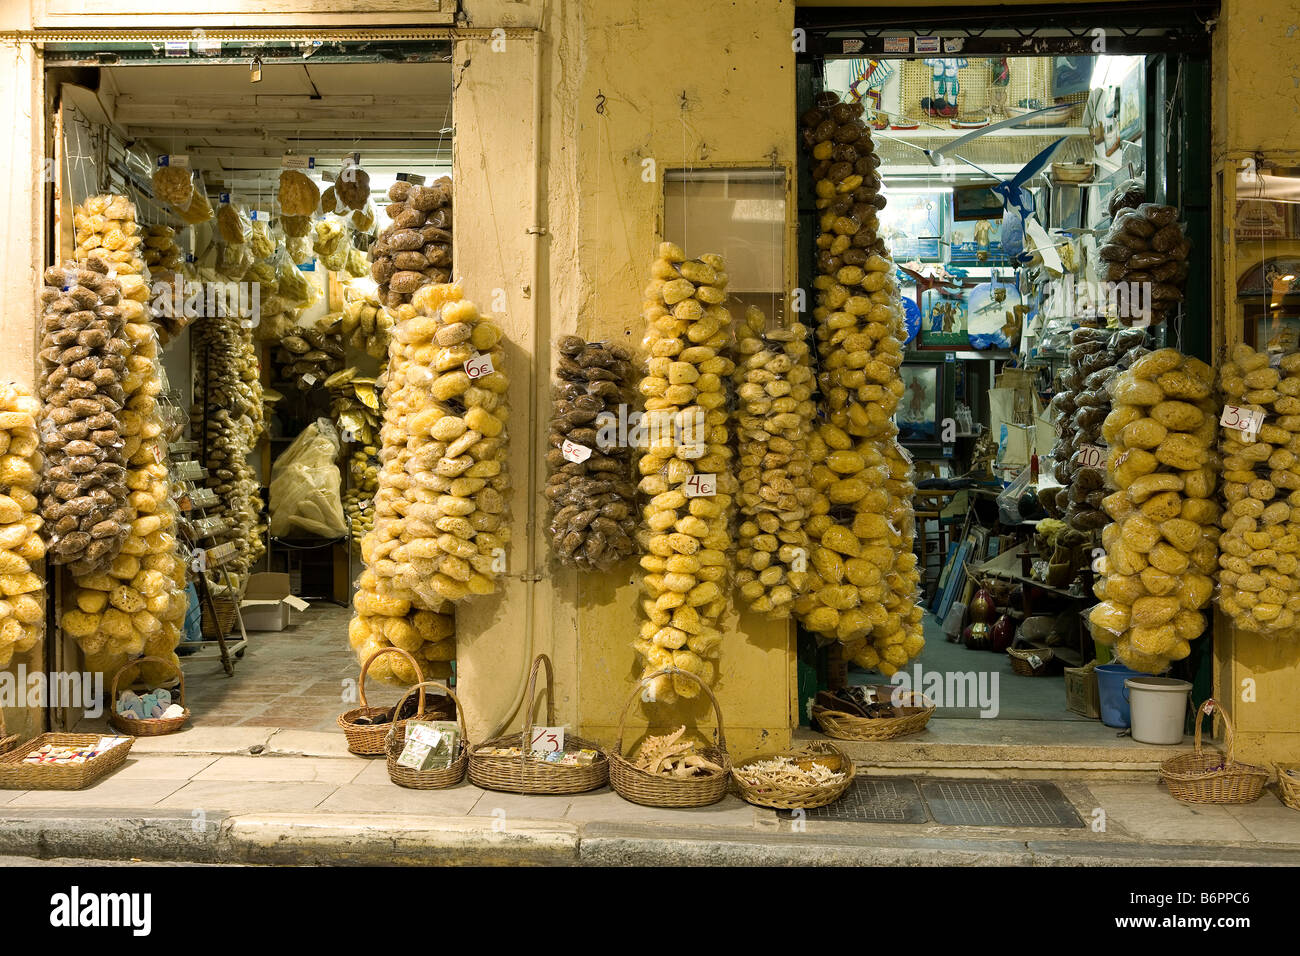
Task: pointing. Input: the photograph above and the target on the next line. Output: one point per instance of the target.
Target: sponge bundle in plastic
(415, 249)
(1259, 551)
(774, 384)
(863, 579)
(685, 469)
(22, 591)
(1163, 547)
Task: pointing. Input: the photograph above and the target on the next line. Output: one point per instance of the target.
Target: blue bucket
(1112, 693)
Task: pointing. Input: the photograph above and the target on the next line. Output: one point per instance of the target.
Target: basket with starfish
(670, 770)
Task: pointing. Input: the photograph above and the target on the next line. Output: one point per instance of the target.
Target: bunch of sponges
(22, 592)
(774, 384)
(1259, 551)
(441, 525)
(1163, 547)
(685, 469)
(154, 704)
(429, 635)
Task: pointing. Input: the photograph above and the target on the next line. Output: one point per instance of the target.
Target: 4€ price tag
(1243, 419)
(574, 452)
(701, 486)
(478, 366)
(547, 740)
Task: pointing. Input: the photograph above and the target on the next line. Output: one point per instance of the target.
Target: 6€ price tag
(701, 486)
(478, 366)
(1245, 420)
(547, 740)
(574, 452)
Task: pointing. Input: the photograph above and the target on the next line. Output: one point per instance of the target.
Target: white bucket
(1158, 706)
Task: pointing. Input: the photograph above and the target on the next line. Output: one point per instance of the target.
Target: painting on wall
(920, 409)
(915, 225)
(977, 242)
(943, 321)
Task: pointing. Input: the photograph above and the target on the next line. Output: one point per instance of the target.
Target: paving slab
(1269, 820)
(205, 740)
(125, 794)
(232, 796)
(162, 766)
(523, 806)
(333, 770)
(1148, 812)
(363, 797)
(311, 743)
(606, 806)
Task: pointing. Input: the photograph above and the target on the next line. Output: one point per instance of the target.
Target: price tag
(309, 379)
(173, 159)
(547, 740)
(176, 47)
(574, 452)
(415, 179)
(1244, 420)
(701, 486)
(903, 453)
(157, 453)
(1092, 456)
(289, 161)
(478, 366)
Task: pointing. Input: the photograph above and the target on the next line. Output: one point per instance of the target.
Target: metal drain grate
(998, 803)
(874, 800)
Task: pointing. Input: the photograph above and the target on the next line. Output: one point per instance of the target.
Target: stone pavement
(269, 795)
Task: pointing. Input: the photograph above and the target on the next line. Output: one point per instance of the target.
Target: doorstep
(1036, 749)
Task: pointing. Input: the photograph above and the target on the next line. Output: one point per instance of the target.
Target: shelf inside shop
(935, 132)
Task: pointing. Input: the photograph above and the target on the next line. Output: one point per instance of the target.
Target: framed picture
(1070, 75)
(943, 321)
(977, 242)
(975, 201)
(1132, 102)
(915, 224)
(921, 409)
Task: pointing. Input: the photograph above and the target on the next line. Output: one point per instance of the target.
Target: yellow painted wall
(1256, 105)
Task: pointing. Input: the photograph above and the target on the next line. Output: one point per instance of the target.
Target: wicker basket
(1288, 787)
(16, 775)
(438, 779)
(224, 623)
(1213, 776)
(527, 774)
(367, 740)
(796, 798)
(655, 790)
(153, 726)
(844, 726)
(1022, 664)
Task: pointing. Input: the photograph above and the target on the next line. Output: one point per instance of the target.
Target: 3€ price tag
(547, 740)
(1092, 456)
(574, 452)
(1243, 419)
(701, 486)
(478, 366)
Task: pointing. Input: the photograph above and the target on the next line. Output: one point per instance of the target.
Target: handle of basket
(361, 684)
(112, 694)
(460, 711)
(1213, 708)
(670, 672)
(542, 659)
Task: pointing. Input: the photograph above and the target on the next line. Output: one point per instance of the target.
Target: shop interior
(275, 404)
(992, 284)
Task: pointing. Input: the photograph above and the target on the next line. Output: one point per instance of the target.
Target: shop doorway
(1104, 104)
(237, 114)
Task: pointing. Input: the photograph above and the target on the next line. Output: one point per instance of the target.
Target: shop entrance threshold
(996, 747)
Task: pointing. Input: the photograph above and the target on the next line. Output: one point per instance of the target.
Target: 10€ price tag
(1245, 420)
(574, 452)
(701, 486)
(547, 740)
(478, 366)
(1092, 456)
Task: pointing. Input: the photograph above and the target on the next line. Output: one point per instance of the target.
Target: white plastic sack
(305, 484)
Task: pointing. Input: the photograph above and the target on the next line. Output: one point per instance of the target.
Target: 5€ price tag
(1092, 456)
(547, 740)
(574, 452)
(1245, 420)
(701, 486)
(478, 366)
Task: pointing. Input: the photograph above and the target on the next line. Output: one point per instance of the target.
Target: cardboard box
(267, 602)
